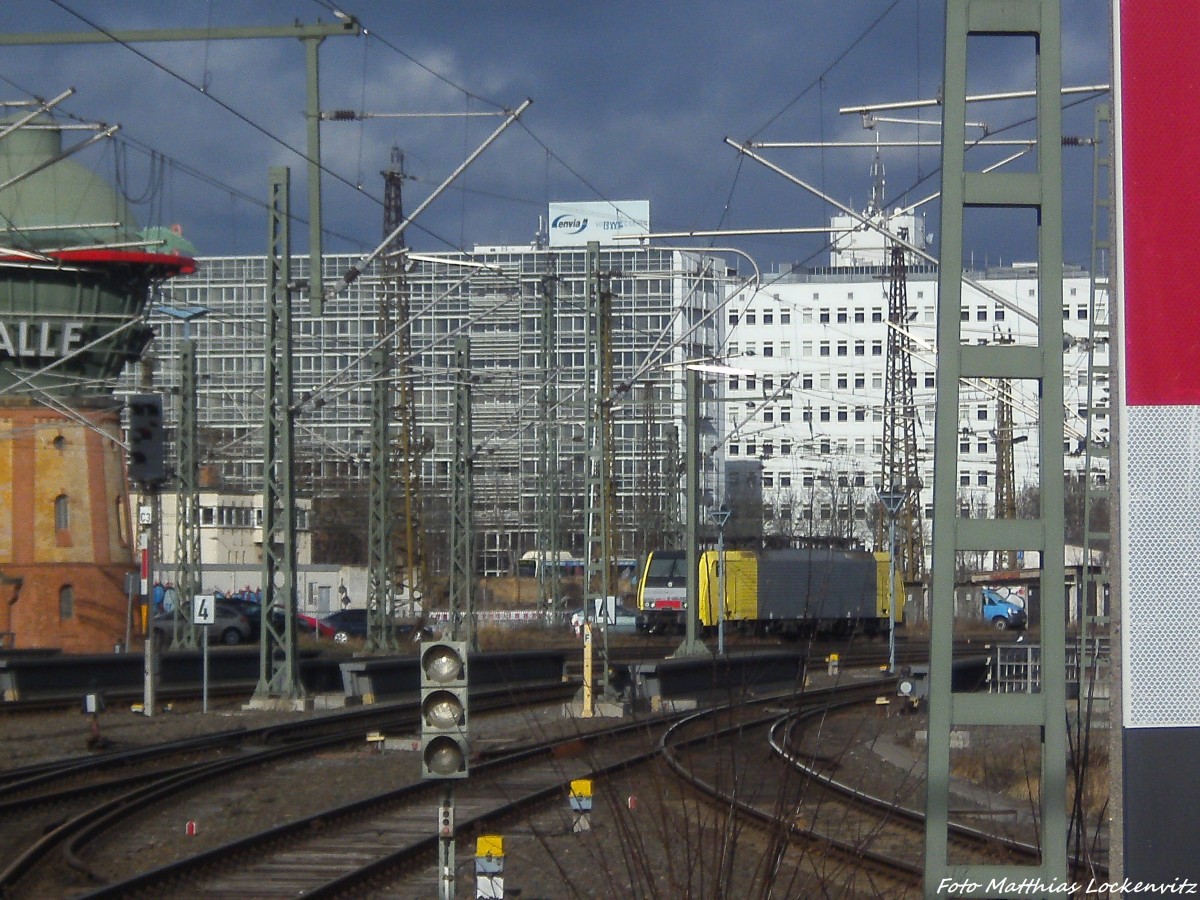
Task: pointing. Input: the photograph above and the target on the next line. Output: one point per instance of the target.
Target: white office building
(813, 411)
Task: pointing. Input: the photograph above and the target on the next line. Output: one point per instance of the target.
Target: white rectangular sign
(576, 224)
(204, 609)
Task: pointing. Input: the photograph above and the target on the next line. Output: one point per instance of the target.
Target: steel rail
(79, 829)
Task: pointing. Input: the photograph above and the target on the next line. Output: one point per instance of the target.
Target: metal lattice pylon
(549, 531)
(462, 577)
(1037, 24)
(279, 670)
(187, 500)
(900, 469)
(599, 580)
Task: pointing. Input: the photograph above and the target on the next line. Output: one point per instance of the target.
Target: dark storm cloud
(631, 100)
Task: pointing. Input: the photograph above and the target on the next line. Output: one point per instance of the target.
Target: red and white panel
(1157, 116)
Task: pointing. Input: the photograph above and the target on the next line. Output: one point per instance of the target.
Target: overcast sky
(631, 100)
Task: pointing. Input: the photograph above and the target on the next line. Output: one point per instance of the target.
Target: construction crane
(899, 470)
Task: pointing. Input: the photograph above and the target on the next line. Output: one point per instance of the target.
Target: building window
(842, 317)
(785, 449)
(824, 348)
(843, 414)
(62, 512)
(823, 318)
(733, 318)
(876, 314)
(982, 478)
(843, 349)
(768, 348)
(860, 348)
(66, 602)
(768, 317)
(785, 415)
(825, 413)
(964, 479)
(733, 382)
(998, 314)
(877, 348)
(749, 318)
(860, 380)
(785, 317)
(733, 449)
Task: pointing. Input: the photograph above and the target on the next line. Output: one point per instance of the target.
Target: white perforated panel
(1161, 602)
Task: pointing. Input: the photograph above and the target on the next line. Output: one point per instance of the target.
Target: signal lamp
(444, 748)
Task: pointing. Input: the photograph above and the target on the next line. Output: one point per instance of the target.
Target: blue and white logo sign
(576, 224)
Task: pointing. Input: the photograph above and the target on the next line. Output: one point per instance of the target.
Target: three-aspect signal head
(147, 439)
(444, 748)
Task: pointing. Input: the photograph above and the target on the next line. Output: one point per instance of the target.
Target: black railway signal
(147, 439)
(444, 747)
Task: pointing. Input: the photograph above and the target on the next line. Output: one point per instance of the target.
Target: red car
(308, 624)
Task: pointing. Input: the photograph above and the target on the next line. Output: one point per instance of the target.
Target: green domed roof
(46, 210)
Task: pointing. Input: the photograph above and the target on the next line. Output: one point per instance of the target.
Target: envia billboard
(576, 224)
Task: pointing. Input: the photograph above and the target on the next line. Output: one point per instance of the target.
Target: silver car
(231, 625)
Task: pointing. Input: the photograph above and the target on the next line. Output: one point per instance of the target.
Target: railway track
(60, 807)
(376, 846)
(828, 830)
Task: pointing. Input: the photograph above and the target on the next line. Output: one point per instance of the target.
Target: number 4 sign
(204, 609)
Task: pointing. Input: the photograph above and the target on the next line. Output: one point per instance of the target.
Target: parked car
(231, 625)
(1001, 612)
(346, 623)
(623, 621)
(305, 624)
(251, 609)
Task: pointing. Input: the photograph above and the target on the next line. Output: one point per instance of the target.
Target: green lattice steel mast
(1097, 496)
(462, 557)
(599, 575)
(381, 559)
(187, 498)
(1094, 620)
(381, 590)
(1040, 191)
(278, 670)
(549, 533)
(414, 562)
